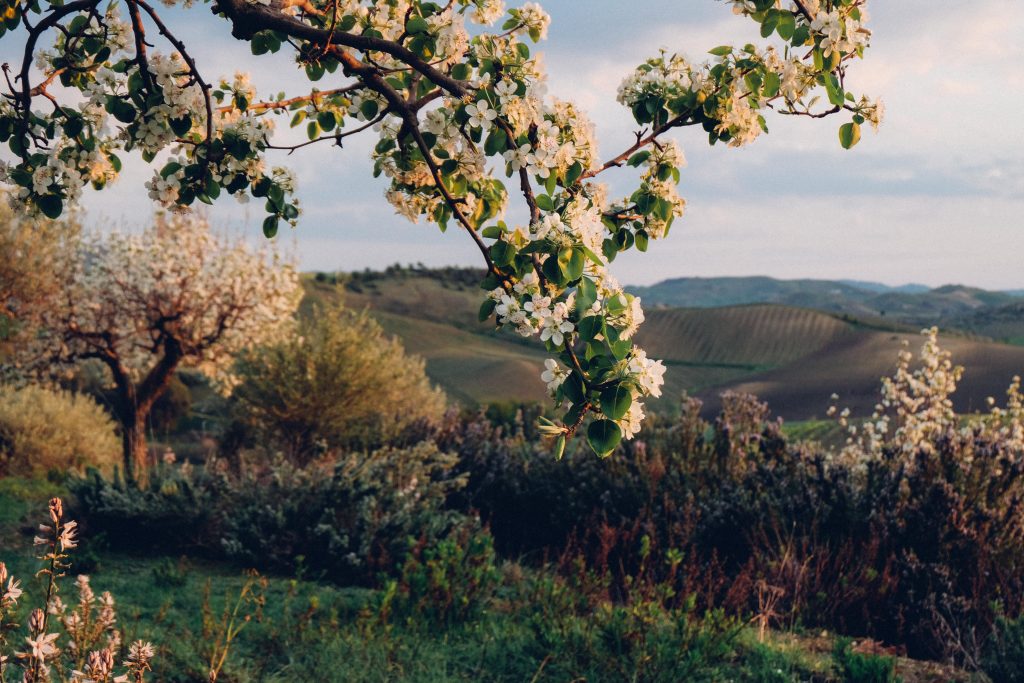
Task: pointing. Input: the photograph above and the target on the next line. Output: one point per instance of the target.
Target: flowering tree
(145, 305)
(459, 108)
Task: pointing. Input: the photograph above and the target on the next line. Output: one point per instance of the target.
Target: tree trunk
(133, 442)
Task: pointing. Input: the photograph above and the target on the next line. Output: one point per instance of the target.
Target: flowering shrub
(78, 643)
(456, 104)
(43, 430)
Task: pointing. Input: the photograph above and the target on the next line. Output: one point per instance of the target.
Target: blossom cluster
(93, 640)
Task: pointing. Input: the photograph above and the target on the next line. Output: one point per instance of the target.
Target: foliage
(339, 382)
(346, 521)
(863, 668)
(43, 430)
(144, 305)
(1003, 658)
(907, 545)
(444, 584)
(487, 101)
(33, 250)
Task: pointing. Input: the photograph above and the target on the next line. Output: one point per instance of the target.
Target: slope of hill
(794, 358)
(996, 315)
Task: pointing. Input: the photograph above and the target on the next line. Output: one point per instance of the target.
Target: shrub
(1003, 659)
(349, 520)
(340, 382)
(445, 583)
(862, 668)
(43, 430)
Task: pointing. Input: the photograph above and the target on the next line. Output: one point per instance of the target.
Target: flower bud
(36, 621)
(56, 510)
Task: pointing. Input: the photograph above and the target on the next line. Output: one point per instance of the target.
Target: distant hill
(793, 357)
(995, 315)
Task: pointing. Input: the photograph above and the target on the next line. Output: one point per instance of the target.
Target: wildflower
(67, 536)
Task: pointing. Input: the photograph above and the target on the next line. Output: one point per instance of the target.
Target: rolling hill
(995, 315)
(790, 356)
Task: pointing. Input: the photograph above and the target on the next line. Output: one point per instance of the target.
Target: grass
(532, 629)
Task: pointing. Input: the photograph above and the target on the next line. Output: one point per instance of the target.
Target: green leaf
(544, 203)
(502, 253)
(559, 442)
(641, 240)
(270, 226)
(369, 109)
(570, 263)
(496, 142)
(849, 135)
(590, 327)
(603, 436)
(417, 25)
(486, 309)
(492, 232)
(721, 50)
(787, 25)
(586, 295)
(573, 173)
(638, 158)
(51, 205)
(834, 90)
(615, 401)
(181, 126)
(327, 120)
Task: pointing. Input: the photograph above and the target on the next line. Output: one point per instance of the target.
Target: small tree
(144, 305)
(341, 381)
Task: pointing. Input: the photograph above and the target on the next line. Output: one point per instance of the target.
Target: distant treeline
(448, 276)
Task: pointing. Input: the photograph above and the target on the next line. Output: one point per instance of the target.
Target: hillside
(793, 357)
(995, 315)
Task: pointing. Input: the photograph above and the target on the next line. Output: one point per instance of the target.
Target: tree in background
(340, 382)
(144, 305)
(31, 252)
(455, 107)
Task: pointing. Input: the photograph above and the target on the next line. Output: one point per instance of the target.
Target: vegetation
(144, 305)
(339, 382)
(44, 431)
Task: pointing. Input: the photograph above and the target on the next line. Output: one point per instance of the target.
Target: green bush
(43, 431)
(445, 583)
(340, 382)
(862, 668)
(348, 521)
(1003, 658)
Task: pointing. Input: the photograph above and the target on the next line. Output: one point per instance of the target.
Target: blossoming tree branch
(458, 101)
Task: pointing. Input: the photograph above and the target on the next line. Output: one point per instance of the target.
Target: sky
(935, 197)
